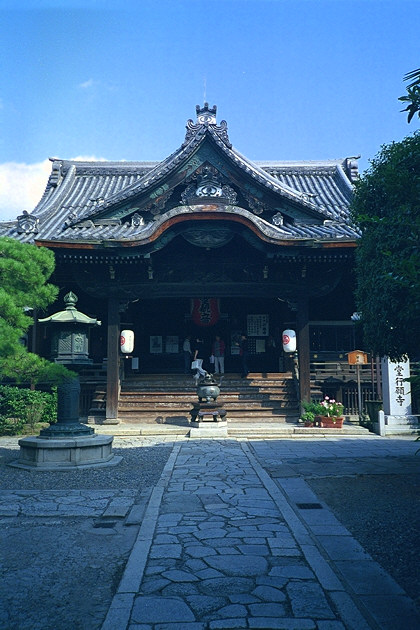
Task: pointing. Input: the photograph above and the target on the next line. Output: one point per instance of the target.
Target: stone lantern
(68, 444)
(70, 340)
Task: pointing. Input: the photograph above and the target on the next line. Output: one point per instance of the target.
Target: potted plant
(308, 418)
(332, 413)
(312, 412)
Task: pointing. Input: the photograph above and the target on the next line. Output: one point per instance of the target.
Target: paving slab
(224, 533)
(272, 570)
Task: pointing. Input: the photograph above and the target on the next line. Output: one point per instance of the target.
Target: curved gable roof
(80, 199)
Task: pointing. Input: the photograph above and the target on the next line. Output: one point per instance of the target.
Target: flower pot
(308, 423)
(330, 422)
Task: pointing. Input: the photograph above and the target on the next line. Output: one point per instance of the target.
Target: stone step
(249, 392)
(227, 375)
(233, 403)
(231, 381)
(171, 418)
(273, 431)
(167, 399)
(240, 430)
(191, 391)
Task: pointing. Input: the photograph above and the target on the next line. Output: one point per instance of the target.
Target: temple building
(204, 243)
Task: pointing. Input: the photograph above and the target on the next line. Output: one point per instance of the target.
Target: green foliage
(19, 407)
(24, 272)
(308, 416)
(386, 206)
(412, 98)
(312, 408)
(26, 367)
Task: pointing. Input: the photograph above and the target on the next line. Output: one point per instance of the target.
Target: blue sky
(295, 79)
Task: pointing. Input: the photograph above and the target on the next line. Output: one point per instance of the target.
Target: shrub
(20, 406)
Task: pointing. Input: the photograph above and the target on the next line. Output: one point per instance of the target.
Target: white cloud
(86, 84)
(22, 185)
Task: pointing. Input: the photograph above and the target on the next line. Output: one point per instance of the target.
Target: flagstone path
(223, 546)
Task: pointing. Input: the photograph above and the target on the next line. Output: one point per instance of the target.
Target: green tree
(386, 207)
(25, 367)
(24, 273)
(412, 98)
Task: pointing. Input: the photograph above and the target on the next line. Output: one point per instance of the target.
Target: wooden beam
(302, 334)
(112, 378)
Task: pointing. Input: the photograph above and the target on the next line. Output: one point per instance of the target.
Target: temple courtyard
(206, 534)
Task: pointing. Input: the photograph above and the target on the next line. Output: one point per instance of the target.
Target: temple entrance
(161, 326)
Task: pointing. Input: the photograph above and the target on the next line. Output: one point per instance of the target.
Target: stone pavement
(229, 535)
(224, 545)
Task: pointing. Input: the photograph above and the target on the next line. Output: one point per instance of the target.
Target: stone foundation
(37, 453)
(397, 425)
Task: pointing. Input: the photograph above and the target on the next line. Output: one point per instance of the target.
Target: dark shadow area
(377, 498)
(383, 513)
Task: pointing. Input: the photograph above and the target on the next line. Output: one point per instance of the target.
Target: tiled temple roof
(79, 198)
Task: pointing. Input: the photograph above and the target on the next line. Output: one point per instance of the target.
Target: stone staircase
(167, 398)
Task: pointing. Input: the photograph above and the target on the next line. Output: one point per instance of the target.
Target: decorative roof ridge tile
(268, 180)
(160, 170)
(346, 167)
(44, 208)
(90, 232)
(107, 163)
(344, 178)
(300, 163)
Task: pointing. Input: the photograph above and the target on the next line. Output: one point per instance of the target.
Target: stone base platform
(67, 453)
(239, 430)
(206, 429)
(397, 425)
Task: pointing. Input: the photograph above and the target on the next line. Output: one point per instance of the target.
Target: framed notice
(258, 325)
(172, 344)
(156, 345)
(259, 346)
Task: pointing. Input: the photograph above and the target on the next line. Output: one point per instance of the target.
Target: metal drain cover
(309, 506)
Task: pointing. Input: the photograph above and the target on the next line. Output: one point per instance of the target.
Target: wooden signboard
(357, 357)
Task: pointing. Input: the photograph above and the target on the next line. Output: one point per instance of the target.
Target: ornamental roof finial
(206, 115)
(206, 123)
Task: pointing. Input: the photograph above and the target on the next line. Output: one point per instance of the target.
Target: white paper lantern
(127, 341)
(289, 340)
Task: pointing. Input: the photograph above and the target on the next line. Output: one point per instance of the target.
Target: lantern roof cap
(70, 315)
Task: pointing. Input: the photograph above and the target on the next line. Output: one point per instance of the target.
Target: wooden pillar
(112, 371)
(302, 333)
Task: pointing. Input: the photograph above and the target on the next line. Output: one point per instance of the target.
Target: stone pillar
(397, 397)
(113, 382)
(302, 334)
(68, 424)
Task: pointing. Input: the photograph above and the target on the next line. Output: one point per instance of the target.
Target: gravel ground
(140, 467)
(61, 572)
(383, 513)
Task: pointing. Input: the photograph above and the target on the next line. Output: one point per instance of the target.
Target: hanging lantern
(127, 341)
(205, 311)
(289, 340)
